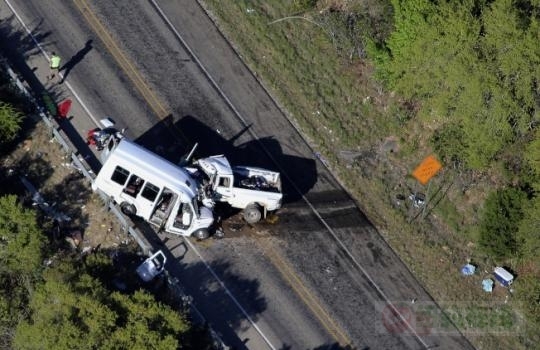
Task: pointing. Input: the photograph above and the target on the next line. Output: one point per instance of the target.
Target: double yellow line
(304, 294)
(162, 112)
(133, 74)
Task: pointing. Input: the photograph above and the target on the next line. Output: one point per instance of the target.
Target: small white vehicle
(146, 185)
(152, 267)
(255, 190)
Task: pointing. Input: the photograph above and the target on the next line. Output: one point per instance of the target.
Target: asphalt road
(320, 276)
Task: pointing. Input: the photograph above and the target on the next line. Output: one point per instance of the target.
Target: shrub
(448, 142)
(10, 122)
(503, 211)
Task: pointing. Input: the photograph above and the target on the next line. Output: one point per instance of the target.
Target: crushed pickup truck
(254, 190)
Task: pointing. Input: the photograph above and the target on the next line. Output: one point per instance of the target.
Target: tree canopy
(67, 305)
(21, 254)
(73, 309)
(10, 122)
(474, 65)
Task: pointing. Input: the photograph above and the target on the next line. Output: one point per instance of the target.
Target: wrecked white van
(146, 185)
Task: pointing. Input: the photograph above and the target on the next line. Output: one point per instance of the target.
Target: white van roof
(174, 176)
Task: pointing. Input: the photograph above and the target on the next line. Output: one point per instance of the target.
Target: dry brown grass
(40, 159)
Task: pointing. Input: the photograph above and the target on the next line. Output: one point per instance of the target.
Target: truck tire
(201, 234)
(252, 213)
(128, 209)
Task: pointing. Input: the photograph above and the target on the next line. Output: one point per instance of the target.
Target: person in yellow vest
(54, 65)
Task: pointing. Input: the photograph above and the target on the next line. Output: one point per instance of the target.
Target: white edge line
(342, 245)
(229, 293)
(40, 47)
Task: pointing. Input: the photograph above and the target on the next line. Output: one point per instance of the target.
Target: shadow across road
(17, 47)
(298, 175)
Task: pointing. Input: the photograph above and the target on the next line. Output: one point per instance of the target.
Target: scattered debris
(502, 276)
(418, 199)
(152, 266)
(487, 285)
(468, 270)
(39, 201)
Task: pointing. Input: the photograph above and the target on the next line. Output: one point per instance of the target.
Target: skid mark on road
(129, 69)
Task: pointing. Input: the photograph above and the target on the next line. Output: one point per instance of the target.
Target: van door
(181, 219)
(146, 201)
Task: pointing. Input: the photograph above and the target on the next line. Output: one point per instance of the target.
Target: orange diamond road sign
(429, 167)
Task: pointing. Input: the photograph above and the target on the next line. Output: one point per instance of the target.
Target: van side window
(120, 175)
(134, 185)
(150, 192)
(224, 182)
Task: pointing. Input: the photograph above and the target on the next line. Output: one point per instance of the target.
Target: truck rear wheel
(252, 213)
(128, 209)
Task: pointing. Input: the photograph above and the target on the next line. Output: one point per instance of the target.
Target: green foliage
(21, 241)
(21, 253)
(528, 235)
(528, 292)
(10, 122)
(303, 5)
(144, 323)
(74, 310)
(532, 156)
(62, 318)
(448, 142)
(67, 306)
(471, 63)
(499, 224)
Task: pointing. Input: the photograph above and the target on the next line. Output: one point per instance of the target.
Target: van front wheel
(252, 213)
(201, 234)
(128, 209)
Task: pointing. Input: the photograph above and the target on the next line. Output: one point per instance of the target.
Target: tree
(499, 224)
(144, 323)
(10, 122)
(470, 63)
(73, 309)
(21, 240)
(21, 254)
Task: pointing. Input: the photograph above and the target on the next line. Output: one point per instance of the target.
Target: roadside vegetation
(376, 86)
(71, 286)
